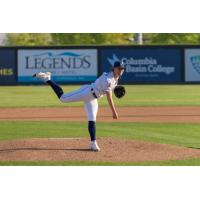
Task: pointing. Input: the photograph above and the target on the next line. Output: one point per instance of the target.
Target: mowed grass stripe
(136, 95)
(171, 133)
(187, 162)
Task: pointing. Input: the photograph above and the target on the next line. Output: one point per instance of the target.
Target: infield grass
(186, 135)
(188, 162)
(137, 95)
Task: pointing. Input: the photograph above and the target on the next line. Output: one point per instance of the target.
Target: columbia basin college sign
(145, 65)
(66, 65)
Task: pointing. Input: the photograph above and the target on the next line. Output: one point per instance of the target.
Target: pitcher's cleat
(44, 76)
(94, 146)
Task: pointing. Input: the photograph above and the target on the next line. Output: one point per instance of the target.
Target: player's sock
(56, 88)
(92, 130)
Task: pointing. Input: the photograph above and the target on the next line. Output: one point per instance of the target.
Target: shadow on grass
(194, 147)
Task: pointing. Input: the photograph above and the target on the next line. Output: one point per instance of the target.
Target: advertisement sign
(66, 65)
(192, 65)
(145, 65)
(7, 67)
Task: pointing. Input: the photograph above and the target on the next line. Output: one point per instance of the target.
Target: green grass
(137, 95)
(176, 134)
(188, 162)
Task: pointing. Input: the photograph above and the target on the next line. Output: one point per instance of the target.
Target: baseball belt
(93, 93)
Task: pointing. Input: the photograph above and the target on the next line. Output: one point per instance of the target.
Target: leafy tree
(34, 39)
(28, 39)
(172, 38)
(90, 38)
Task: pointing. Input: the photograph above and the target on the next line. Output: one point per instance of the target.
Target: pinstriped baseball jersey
(105, 83)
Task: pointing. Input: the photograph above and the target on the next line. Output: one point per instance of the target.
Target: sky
(2, 37)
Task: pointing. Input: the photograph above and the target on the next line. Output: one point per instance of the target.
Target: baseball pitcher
(89, 94)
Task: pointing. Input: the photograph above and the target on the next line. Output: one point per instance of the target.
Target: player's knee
(92, 118)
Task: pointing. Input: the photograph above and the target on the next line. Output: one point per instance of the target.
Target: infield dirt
(179, 114)
(76, 149)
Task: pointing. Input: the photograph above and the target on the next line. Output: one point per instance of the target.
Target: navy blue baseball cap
(118, 64)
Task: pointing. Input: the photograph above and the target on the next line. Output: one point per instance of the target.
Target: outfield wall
(83, 64)
(8, 67)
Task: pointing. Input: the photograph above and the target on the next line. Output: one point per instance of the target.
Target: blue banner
(7, 67)
(69, 79)
(144, 65)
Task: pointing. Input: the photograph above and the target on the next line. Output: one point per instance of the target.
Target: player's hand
(115, 115)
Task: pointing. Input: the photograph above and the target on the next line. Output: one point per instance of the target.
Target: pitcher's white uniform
(90, 93)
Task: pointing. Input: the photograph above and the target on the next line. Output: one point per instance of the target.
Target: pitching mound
(76, 149)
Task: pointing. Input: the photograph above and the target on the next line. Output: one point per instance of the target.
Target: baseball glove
(119, 91)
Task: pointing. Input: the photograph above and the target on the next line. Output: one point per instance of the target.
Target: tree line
(32, 39)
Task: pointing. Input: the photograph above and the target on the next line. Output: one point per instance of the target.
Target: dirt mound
(76, 149)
